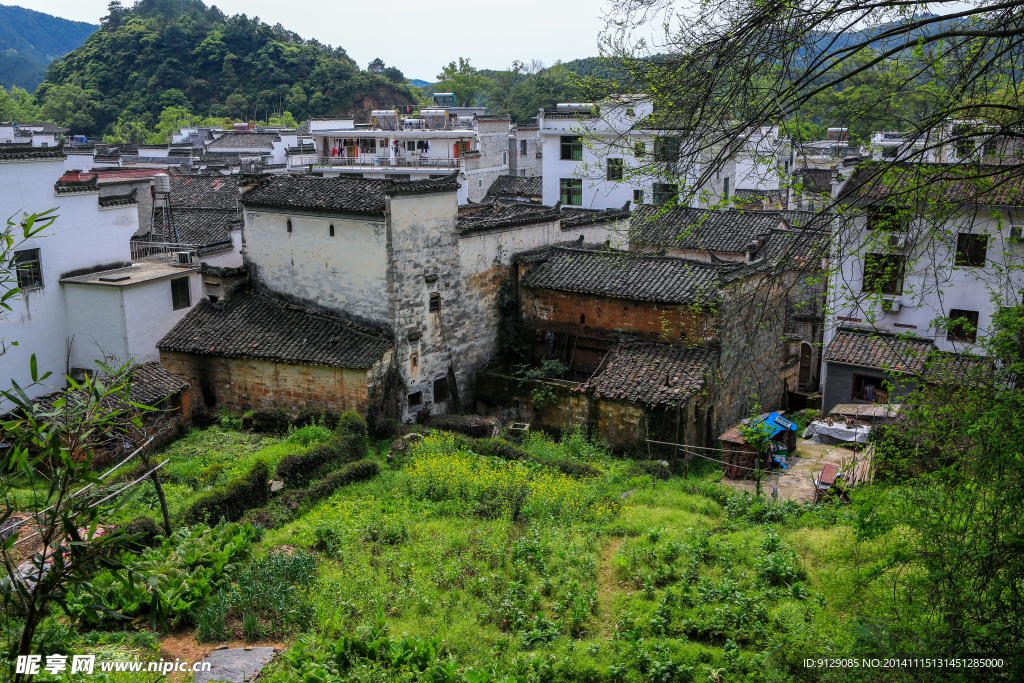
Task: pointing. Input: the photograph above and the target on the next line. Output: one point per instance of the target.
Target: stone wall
(240, 384)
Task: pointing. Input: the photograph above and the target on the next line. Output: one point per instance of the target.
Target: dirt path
(796, 483)
(607, 586)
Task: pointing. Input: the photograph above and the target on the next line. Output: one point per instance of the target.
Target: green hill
(164, 53)
(30, 40)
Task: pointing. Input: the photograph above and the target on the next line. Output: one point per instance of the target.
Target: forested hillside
(180, 53)
(30, 40)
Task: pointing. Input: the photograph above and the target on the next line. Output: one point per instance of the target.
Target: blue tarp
(776, 423)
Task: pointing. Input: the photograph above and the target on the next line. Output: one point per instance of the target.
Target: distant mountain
(181, 53)
(419, 82)
(30, 40)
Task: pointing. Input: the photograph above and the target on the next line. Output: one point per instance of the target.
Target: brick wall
(585, 314)
(242, 383)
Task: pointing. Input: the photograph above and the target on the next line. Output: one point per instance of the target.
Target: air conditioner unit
(890, 304)
(183, 258)
(1017, 233)
(897, 241)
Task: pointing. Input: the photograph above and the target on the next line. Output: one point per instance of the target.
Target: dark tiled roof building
(653, 374)
(876, 350)
(661, 228)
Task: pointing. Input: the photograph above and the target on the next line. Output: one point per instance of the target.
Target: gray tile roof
(879, 350)
(572, 218)
(516, 186)
(204, 192)
(626, 275)
(245, 139)
(127, 199)
(473, 217)
(148, 384)
(958, 369)
(253, 325)
(15, 152)
(90, 184)
(797, 250)
(816, 180)
(200, 226)
(355, 195)
(653, 374)
(698, 229)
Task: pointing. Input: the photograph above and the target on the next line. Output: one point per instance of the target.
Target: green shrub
(297, 470)
(349, 474)
(499, 448)
(654, 468)
(231, 502)
(470, 425)
(142, 525)
(317, 416)
(310, 435)
(351, 422)
(272, 421)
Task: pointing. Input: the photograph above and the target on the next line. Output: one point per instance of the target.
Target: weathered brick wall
(242, 383)
(573, 313)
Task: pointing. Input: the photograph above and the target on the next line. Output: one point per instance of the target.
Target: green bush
(499, 448)
(317, 416)
(297, 470)
(272, 421)
(351, 422)
(470, 425)
(231, 502)
(142, 525)
(654, 468)
(349, 474)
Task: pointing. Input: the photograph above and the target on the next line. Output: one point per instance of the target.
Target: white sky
(417, 36)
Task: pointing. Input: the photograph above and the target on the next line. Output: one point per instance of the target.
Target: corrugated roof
(652, 373)
(253, 325)
(878, 350)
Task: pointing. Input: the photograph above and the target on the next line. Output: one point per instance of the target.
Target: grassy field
(456, 566)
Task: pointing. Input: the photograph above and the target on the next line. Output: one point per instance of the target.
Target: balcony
(370, 163)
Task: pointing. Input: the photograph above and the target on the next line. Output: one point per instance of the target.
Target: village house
(399, 260)
(601, 155)
(83, 298)
(652, 345)
(919, 271)
(525, 156)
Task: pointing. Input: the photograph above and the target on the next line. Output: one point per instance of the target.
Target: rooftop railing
(368, 162)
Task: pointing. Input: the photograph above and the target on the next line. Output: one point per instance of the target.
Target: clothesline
(728, 450)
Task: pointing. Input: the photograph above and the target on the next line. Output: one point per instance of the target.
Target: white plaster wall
(478, 250)
(149, 312)
(598, 191)
(227, 259)
(96, 324)
(933, 285)
(347, 272)
(84, 236)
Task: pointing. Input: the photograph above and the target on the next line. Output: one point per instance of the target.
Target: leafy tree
(70, 106)
(393, 74)
(462, 79)
(129, 130)
(376, 66)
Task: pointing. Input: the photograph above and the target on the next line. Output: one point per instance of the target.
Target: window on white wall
(29, 267)
(504, 158)
(181, 293)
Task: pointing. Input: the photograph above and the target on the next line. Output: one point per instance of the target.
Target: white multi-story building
(603, 155)
(395, 145)
(914, 281)
(82, 298)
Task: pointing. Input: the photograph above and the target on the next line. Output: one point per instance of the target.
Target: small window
(666, 149)
(971, 249)
(504, 158)
(440, 390)
(181, 293)
(331, 230)
(866, 388)
(639, 149)
(522, 147)
(572, 148)
(480, 183)
(583, 318)
(414, 363)
(29, 267)
(435, 301)
(963, 326)
(614, 169)
(665, 193)
(410, 145)
(570, 191)
(883, 273)
(725, 188)
(289, 225)
(416, 399)
(638, 196)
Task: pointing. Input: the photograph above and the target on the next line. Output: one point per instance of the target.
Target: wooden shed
(739, 457)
